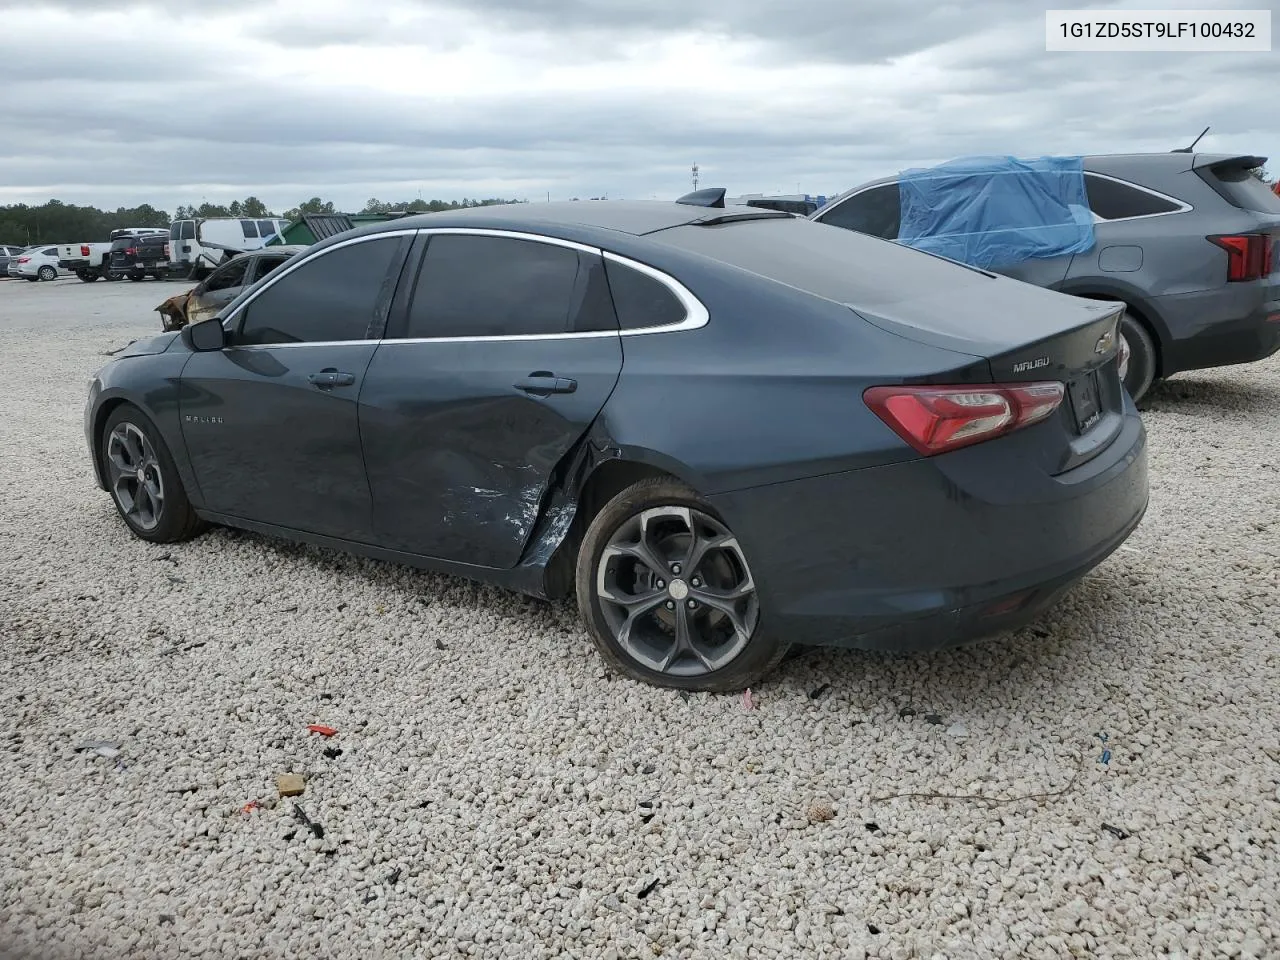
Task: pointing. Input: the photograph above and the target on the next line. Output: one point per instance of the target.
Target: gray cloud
(179, 108)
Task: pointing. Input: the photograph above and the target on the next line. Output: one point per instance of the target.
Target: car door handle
(545, 384)
(332, 378)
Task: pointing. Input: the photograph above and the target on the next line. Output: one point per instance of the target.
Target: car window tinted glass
(472, 286)
(188, 229)
(640, 300)
(1115, 201)
(330, 297)
(231, 275)
(266, 228)
(877, 212)
(249, 228)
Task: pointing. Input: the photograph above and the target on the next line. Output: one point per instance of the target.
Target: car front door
(504, 353)
(270, 421)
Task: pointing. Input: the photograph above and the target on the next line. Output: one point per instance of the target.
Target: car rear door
(502, 353)
(270, 421)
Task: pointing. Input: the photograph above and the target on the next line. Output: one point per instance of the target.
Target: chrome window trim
(696, 313)
(307, 258)
(1183, 206)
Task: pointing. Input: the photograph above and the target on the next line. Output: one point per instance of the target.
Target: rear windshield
(831, 262)
(1243, 188)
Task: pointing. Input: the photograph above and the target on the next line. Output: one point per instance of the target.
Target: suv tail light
(937, 419)
(1248, 255)
(131, 251)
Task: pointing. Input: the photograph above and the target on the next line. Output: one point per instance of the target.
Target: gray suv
(1186, 241)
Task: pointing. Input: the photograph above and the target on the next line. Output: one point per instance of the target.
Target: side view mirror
(206, 335)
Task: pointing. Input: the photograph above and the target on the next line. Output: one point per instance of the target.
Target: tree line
(58, 222)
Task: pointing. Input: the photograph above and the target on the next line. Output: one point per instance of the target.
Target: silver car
(36, 263)
(1187, 241)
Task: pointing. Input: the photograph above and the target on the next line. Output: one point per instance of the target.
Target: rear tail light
(937, 419)
(1248, 255)
(24, 259)
(84, 249)
(131, 252)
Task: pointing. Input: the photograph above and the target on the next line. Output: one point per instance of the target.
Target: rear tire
(1141, 369)
(87, 277)
(144, 483)
(47, 273)
(701, 629)
(136, 277)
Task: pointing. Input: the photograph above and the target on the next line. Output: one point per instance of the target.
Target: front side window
(331, 297)
(231, 275)
(266, 228)
(877, 212)
(474, 286)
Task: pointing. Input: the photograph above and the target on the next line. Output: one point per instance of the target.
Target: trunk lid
(1028, 334)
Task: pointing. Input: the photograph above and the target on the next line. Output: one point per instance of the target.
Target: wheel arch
(596, 474)
(1136, 305)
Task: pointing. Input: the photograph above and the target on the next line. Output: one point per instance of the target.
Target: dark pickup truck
(139, 257)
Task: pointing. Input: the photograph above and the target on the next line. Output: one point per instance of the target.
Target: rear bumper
(934, 552)
(1217, 329)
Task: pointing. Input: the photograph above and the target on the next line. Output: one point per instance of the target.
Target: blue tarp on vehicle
(997, 211)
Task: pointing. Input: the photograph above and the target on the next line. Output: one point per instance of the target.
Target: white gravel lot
(497, 796)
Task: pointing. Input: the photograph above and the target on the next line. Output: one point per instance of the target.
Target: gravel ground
(1106, 783)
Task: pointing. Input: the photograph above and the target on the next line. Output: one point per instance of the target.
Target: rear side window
(877, 212)
(249, 228)
(1113, 200)
(266, 228)
(473, 286)
(267, 264)
(640, 300)
(332, 297)
(1242, 188)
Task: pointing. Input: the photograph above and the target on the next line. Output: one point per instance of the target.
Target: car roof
(635, 217)
(1096, 163)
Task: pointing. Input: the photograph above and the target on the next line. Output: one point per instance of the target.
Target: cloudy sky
(176, 102)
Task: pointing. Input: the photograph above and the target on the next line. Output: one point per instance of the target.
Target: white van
(197, 246)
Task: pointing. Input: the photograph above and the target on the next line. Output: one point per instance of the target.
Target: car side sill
(527, 580)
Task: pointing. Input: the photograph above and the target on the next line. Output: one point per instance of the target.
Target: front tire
(143, 480)
(1140, 371)
(47, 273)
(666, 593)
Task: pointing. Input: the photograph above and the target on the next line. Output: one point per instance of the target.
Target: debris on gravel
(1117, 793)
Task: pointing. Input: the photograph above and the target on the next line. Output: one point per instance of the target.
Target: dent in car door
(463, 433)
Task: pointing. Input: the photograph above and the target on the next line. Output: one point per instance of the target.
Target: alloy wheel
(677, 594)
(135, 477)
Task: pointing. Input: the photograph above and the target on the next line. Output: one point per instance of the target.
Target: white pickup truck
(88, 261)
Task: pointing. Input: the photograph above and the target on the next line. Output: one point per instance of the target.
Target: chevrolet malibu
(726, 430)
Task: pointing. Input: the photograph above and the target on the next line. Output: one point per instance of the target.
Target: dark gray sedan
(726, 430)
